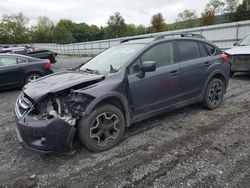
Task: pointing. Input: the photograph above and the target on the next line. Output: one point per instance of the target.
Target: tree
(207, 18)
(43, 31)
(231, 5)
(13, 29)
(116, 25)
(242, 12)
(97, 33)
(62, 35)
(215, 6)
(130, 30)
(141, 29)
(157, 23)
(82, 32)
(187, 17)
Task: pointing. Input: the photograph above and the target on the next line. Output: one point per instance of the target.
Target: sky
(97, 12)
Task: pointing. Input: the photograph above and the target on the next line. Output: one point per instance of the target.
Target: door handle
(207, 63)
(174, 73)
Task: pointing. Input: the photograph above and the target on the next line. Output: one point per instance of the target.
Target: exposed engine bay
(68, 107)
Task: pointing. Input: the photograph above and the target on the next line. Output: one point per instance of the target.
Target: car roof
(13, 48)
(19, 56)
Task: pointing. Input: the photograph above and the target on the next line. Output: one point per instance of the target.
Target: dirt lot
(190, 147)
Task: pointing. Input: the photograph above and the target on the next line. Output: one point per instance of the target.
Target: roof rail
(179, 34)
(136, 38)
(165, 35)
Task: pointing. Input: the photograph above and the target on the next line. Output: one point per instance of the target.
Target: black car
(27, 51)
(18, 70)
(133, 81)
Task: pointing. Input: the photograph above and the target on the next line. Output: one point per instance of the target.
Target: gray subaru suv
(140, 78)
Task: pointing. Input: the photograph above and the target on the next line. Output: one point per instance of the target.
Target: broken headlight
(68, 107)
(78, 104)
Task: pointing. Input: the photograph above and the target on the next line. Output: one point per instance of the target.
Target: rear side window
(162, 54)
(6, 61)
(211, 50)
(203, 50)
(187, 50)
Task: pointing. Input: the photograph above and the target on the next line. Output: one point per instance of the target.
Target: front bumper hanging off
(45, 136)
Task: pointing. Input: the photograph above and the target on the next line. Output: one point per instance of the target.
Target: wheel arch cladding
(216, 74)
(115, 99)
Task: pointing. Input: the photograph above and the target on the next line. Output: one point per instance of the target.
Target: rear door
(193, 60)
(158, 89)
(11, 72)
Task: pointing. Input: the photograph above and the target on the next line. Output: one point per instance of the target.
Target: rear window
(187, 50)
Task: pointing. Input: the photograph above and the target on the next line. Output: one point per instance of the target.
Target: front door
(9, 72)
(158, 89)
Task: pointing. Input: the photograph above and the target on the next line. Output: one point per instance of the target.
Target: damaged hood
(239, 50)
(58, 82)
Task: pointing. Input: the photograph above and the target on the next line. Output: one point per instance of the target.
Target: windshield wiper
(91, 71)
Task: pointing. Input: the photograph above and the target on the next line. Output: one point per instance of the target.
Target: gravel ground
(189, 147)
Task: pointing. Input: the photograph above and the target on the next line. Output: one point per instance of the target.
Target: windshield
(245, 41)
(113, 59)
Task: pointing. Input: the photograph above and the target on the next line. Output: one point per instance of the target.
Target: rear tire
(32, 77)
(214, 94)
(102, 129)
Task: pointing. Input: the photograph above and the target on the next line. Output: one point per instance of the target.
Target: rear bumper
(46, 136)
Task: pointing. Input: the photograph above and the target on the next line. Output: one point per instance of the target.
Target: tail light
(224, 57)
(53, 54)
(47, 65)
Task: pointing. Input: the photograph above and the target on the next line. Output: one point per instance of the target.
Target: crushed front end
(50, 125)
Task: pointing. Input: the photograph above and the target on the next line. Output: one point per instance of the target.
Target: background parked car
(41, 54)
(18, 70)
(240, 56)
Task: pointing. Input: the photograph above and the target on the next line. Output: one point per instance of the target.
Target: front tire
(214, 94)
(102, 129)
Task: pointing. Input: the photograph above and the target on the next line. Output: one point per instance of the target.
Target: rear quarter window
(211, 49)
(21, 60)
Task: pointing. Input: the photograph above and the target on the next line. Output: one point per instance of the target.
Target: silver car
(240, 56)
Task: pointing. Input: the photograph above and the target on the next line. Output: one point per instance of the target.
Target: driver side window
(162, 54)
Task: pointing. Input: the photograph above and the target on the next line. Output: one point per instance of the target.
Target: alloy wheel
(215, 93)
(105, 129)
(33, 78)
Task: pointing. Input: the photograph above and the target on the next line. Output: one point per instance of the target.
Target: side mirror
(148, 66)
(236, 43)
